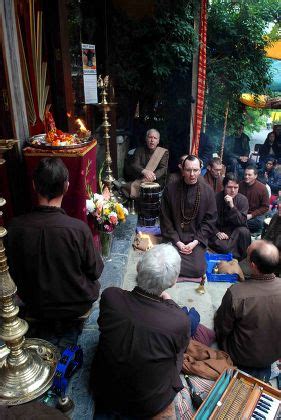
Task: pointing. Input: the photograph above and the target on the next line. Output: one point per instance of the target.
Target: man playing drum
(188, 216)
(150, 164)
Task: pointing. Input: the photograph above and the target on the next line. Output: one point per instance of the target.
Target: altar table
(81, 164)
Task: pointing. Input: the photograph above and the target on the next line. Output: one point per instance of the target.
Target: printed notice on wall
(89, 73)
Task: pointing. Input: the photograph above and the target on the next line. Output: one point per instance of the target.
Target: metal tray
(41, 144)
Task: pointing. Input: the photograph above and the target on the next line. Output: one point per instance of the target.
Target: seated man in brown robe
(149, 164)
(258, 199)
(143, 336)
(248, 322)
(213, 175)
(188, 216)
(231, 232)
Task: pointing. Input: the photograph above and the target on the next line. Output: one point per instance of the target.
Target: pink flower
(108, 228)
(113, 220)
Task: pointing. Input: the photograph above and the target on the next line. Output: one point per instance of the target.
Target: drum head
(148, 184)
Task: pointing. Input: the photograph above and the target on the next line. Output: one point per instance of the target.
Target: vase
(106, 244)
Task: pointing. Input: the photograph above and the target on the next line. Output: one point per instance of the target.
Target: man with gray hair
(143, 335)
(149, 164)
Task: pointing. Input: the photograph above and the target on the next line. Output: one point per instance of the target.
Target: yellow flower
(106, 212)
(120, 212)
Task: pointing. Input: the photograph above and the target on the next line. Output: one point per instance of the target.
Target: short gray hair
(158, 269)
(152, 130)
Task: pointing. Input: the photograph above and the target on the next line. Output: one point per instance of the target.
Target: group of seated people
(215, 210)
(237, 157)
(143, 332)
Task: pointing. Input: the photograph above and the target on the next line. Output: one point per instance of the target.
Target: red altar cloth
(81, 164)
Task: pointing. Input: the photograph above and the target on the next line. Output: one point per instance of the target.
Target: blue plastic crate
(212, 260)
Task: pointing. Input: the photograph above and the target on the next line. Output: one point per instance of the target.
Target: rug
(183, 403)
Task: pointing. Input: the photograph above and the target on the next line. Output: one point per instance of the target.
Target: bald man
(248, 322)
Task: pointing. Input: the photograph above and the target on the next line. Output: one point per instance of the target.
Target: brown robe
(233, 222)
(248, 322)
(139, 357)
(215, 183)
(179, 198)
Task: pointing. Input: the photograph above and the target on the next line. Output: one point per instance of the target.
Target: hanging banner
(89, 73)
(201, 79)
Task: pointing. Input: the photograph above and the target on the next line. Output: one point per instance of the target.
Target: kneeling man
(232, 233)
(187, 217)
(248, 322)
(143, 335)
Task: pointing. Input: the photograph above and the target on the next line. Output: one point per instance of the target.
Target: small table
(81, 164)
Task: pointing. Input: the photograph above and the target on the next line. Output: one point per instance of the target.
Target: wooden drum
(149, 203)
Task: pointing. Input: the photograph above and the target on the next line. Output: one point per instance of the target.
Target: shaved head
(264, 255)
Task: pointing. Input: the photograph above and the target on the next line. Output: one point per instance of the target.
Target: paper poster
(89, 73)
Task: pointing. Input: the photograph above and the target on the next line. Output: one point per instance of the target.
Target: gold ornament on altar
(105, 106)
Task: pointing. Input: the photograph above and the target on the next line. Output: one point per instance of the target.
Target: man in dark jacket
(213, 176)
(143, 335)
(258, 199)
(52, 257)
(231, 233)
(248, 322)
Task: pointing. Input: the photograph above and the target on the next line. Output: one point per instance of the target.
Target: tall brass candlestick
(103, 84)
(27, 367)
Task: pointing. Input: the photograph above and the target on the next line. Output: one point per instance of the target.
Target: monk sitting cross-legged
(188, 216)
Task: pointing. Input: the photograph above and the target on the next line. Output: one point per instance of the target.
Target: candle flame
(81, 125)
(146, 236)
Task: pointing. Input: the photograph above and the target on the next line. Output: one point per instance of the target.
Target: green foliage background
(236, 61)
(150, 60)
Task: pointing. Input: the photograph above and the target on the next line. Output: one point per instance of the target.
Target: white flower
(98, 197)
(90, 206)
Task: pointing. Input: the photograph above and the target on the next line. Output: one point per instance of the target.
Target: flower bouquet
(108, 213)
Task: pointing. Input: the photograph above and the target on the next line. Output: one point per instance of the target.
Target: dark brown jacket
(202, 226)
(231, 218)
(54, 263)
(140, 352)
(248, 322)
(257, 197)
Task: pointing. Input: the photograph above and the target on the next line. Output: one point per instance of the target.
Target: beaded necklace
(187, 215)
